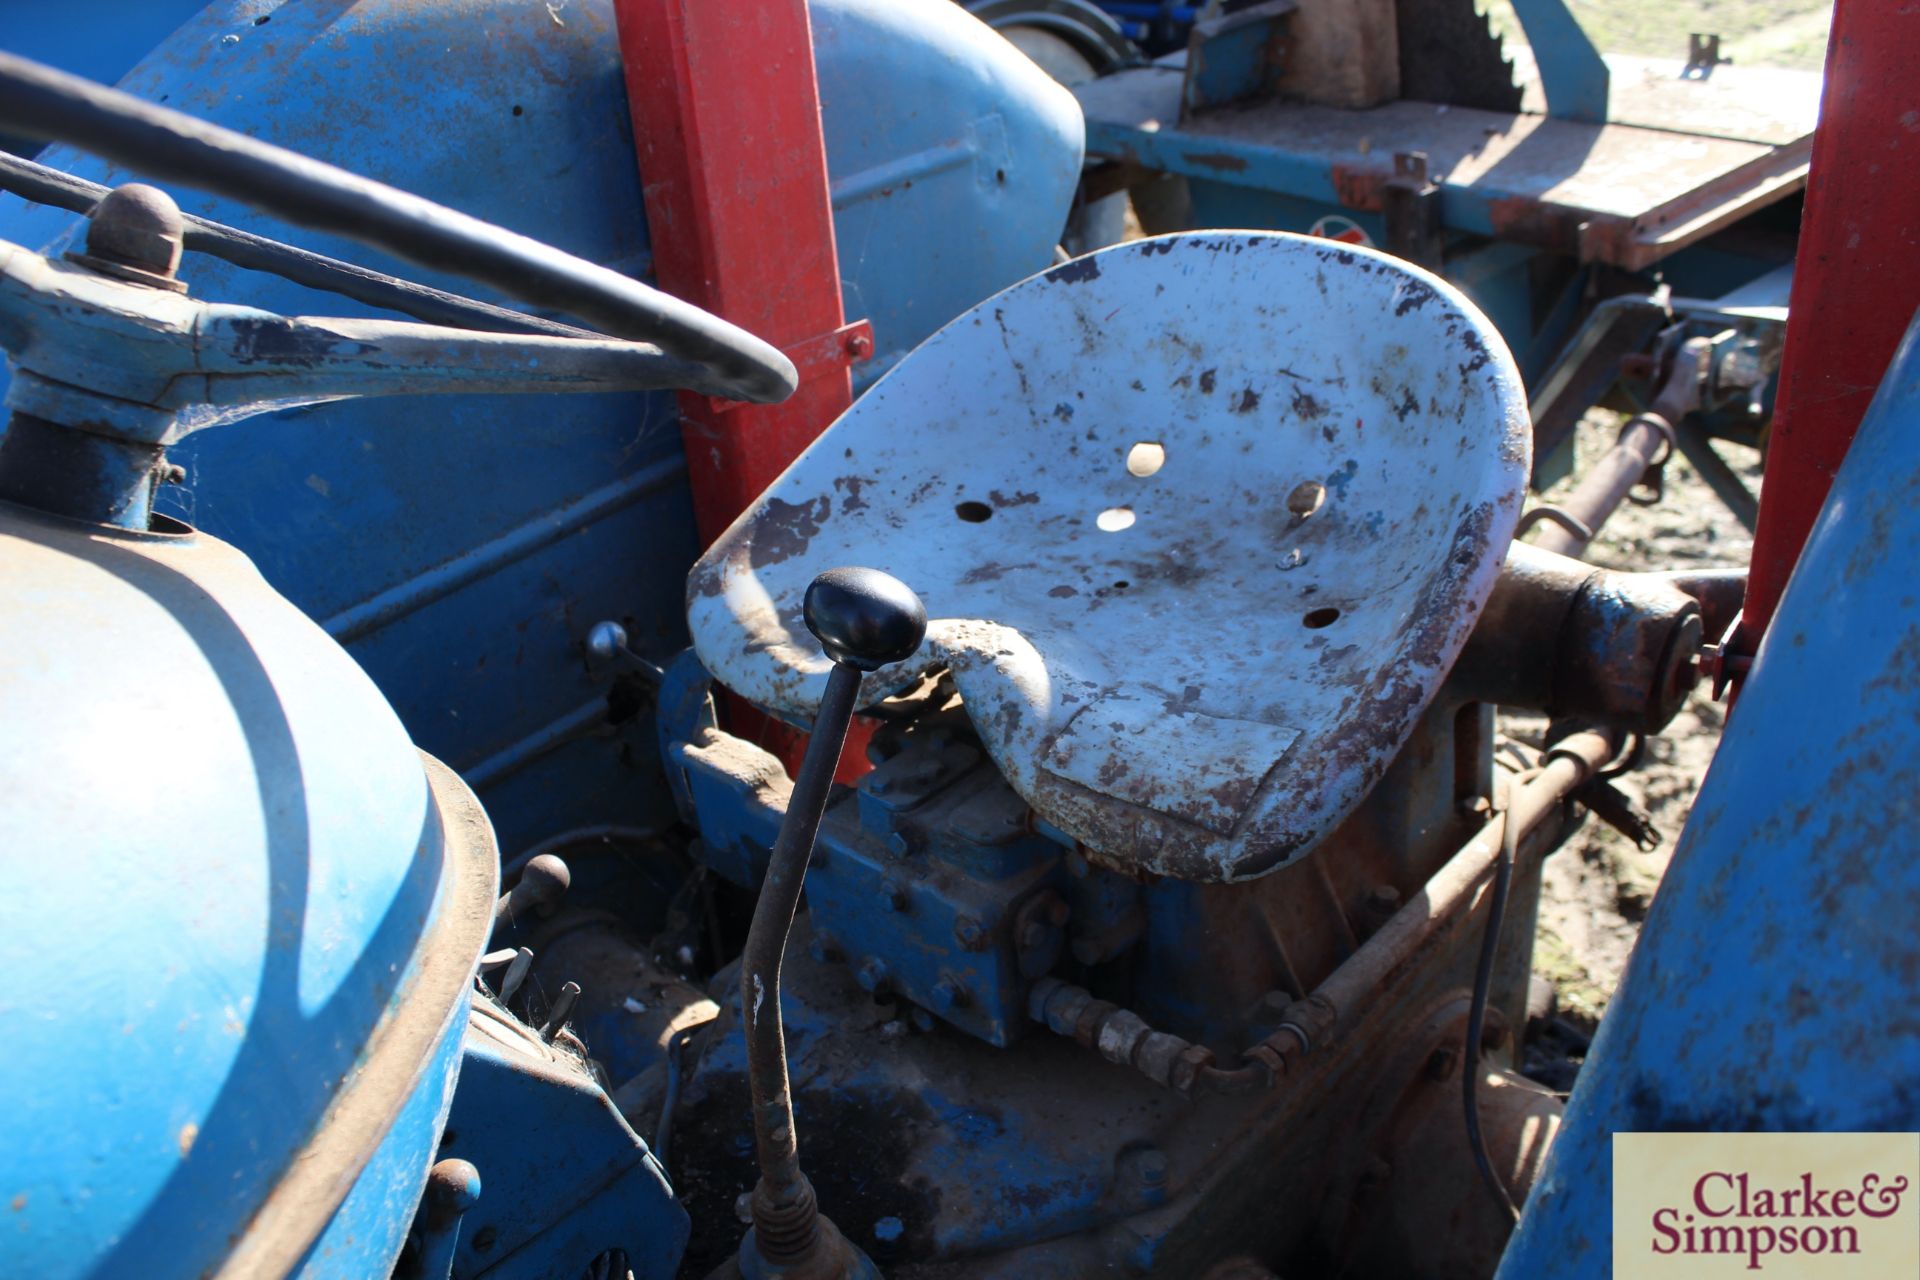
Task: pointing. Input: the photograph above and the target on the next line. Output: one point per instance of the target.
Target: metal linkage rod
(37, 182)
(1646, 441)
(864, 620)
(1123, 1037)
(40, 102)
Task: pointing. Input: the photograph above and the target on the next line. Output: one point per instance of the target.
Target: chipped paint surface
(1205, 690)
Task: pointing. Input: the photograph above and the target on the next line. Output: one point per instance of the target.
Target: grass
(1773, 33)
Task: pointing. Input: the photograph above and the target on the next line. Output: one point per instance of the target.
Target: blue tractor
(429, 876)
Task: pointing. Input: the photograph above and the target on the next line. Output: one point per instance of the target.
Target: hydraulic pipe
(1647, 440)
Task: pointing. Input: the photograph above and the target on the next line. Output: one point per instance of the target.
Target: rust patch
(1020, 498)
(1207, 378)
(1248, 402)
(1218, 161)
(1306, 405)
(1358, 188)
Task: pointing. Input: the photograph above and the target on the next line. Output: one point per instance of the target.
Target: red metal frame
(726, 126)
(1856, 281)
(733, 166)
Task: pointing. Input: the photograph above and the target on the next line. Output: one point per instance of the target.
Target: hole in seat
(973, 512)
(1325, 616)
(1307, 497)
(1114, 519)
(1145, 458)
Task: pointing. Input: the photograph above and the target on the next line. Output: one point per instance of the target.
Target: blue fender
(1772, 988)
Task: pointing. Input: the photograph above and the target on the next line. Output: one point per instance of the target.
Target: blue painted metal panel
(1772, 985)
(252, 890)
(1572, 73)
(461, 547)
(564, 1177)
(370, 1227)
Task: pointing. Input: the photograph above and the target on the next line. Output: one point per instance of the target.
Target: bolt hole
(263, 20)
(519, 110)
(1121, 585)
(1000, 176)
(1307, 497)
(973, 512)
(1325, 616)
(1146, 458)
(1114, 519)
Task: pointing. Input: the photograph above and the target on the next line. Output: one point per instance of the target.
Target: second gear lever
(864, 620)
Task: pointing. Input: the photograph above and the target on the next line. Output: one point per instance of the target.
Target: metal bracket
(821, 354)
(1410, 203)
(1238, 55)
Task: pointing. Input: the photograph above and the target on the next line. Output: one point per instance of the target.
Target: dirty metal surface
(1201, 522)
(1645, 191)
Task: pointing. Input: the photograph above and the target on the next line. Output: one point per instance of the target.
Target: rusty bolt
(859, 345)
(1441, 1062)
(1383, 898)
(900, 844)
(949, 994)
(966, 930)
(1475, 807)
(173, 473)
(1033, 932)
(873, 974)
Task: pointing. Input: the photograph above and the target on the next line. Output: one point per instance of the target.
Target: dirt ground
(1599, 885)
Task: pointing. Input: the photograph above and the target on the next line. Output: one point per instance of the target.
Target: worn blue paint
(1772, 987)
(462, 547)
(368, 1230)
(226, 924)
(565, 1177)
(1572, 72)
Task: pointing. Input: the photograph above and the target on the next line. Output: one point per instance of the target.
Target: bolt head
(606, 639)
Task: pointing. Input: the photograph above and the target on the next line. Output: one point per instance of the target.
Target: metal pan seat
(1201, 523)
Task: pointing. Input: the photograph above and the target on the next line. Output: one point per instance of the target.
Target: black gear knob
(865, 618)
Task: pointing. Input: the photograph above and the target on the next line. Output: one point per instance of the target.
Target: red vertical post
(726, 126)
(1856, 280)
(733, 169)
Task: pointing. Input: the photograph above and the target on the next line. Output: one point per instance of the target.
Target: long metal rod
(1607, 483)
(41, 184)
(41, 102)
(1400, 944)
(783, 1199)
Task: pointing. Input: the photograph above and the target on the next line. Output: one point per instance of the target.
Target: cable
(1477, 1011)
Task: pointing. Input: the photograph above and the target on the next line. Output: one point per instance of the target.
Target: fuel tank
(244, 918)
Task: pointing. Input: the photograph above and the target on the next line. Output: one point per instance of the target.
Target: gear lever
(864, 620)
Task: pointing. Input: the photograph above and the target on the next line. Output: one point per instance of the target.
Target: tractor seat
(1201, 523)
